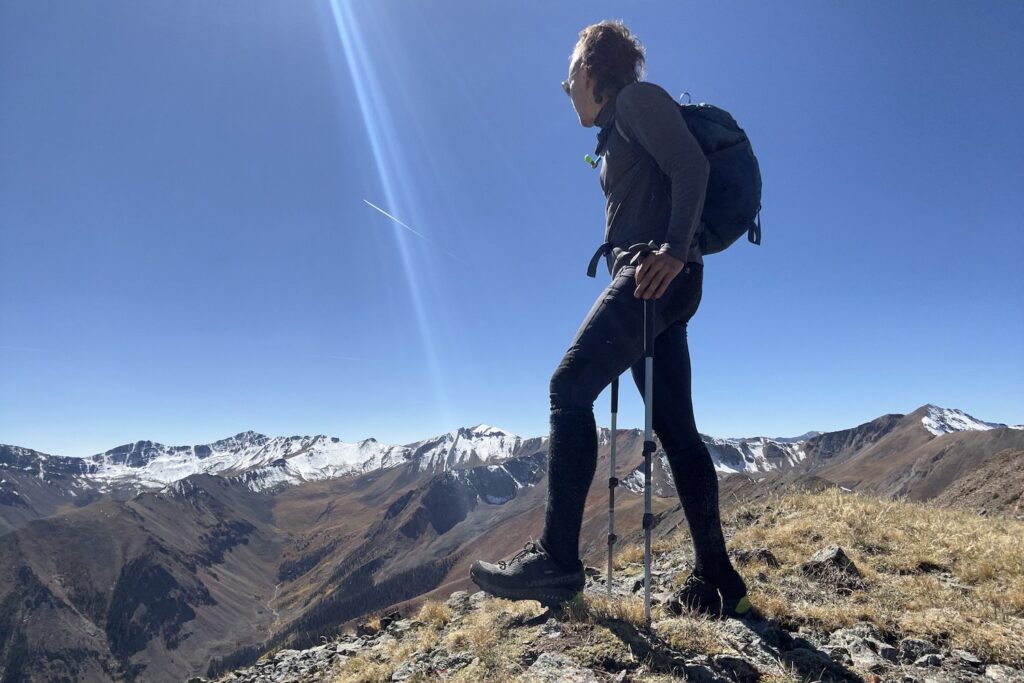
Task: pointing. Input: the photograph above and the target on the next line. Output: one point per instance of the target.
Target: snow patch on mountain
(460, 447)
(941, 421)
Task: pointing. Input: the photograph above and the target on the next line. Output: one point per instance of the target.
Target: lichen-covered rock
(458, 602)
(829, 558)
(1003, 674)
(557, 668)
(418, 663)
(912, 649)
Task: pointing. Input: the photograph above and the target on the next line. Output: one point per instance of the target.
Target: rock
(660, 598)
(1003, 673)
(476, 598)
(419, 663)
(551, 629)
(929, 660)
(883, 649)
(458, 601)
(737, 669)
(776, 637)
(864, 646)
(698, 672)
(389, 618)
(831, 564)
(445, 664)
(966, 658)
(912, 649)
(764, 555)
(839, 653)
(398, 627)
(865, 658)
(349, 649)
(557, 668)
(808, 662)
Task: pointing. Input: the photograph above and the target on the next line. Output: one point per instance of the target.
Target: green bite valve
(590, 160)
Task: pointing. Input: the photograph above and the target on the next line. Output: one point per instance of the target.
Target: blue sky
(186, 251)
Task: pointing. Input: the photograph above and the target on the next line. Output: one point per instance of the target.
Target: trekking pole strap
(637, 252)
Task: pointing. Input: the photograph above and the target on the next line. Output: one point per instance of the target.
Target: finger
(649, 285)
(657, 285)
(640, 290)
(662, 287)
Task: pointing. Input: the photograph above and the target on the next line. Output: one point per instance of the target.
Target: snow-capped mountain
(146, 464)
(758, 454)
(941, 421)
(464, 447)
(263, 461)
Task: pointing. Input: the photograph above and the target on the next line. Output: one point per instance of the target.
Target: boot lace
(529, 548)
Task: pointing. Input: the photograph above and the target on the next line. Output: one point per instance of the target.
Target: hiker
(657, 198)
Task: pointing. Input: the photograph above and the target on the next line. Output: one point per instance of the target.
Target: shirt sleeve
(650, 117)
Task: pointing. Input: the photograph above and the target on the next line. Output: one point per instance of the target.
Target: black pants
(609, 341)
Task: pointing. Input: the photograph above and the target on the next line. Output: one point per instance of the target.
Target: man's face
(580, 89)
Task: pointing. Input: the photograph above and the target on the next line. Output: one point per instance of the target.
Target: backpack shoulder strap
(618, 127)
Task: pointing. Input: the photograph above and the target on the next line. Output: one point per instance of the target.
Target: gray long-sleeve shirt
(658, 196)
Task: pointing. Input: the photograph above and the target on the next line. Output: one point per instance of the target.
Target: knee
(565, 388)
(679, 441)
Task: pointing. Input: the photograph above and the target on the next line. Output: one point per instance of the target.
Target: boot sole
(549, 597)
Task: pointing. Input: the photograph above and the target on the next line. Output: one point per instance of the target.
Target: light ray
(379, 125)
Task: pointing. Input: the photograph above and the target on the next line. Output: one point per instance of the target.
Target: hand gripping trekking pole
(638, 251)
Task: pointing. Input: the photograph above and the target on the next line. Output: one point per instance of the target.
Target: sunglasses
(565, 84)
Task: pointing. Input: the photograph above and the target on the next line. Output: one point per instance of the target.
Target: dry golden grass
(692, 632)
(362, 670)
(635, 553)
(485, 633)
(628, 555)
(435, 613)
(586, 608)
(948, 575)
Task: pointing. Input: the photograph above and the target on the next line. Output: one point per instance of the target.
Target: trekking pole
(648, 449)
(612, 483)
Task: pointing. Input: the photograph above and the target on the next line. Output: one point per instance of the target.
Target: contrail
(413, 231)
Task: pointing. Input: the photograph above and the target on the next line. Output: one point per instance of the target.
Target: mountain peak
(939, 420)
(486, 429)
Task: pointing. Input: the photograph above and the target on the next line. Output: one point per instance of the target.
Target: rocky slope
(834, 605)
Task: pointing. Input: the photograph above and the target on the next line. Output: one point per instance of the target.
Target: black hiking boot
(726, 598)
(531, 574)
